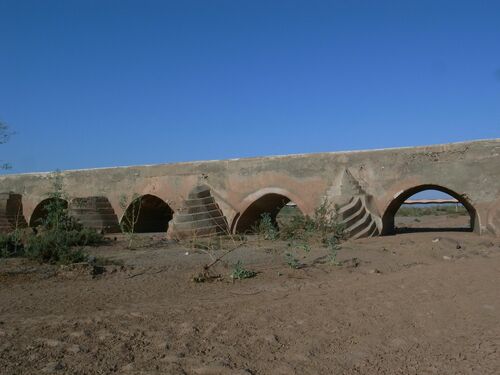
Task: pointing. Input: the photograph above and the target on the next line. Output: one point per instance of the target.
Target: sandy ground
(421, 303)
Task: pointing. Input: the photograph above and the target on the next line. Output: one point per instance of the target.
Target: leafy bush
(54, 247)
(266, 227)
(321, 226)
(10, 245)
(298, 227)
(58, 238)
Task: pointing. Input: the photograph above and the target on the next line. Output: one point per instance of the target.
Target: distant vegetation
(435, 210)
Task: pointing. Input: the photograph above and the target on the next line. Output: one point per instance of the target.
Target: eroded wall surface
(366, 185)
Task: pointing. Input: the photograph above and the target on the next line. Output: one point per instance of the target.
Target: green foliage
(326, 222)
(323, 227)
(10, 245)
(300, 245)
(266, 227)
(298, 227)
(55, 246)
(57, 218)
(59, 237)
(333, 246)
(292, 261)
(240, 272)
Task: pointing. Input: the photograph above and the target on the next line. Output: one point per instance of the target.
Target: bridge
(210, 197)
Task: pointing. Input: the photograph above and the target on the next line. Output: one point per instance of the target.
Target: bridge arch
(267, 200)
(388, 226)
(147, 214)
(41, 210)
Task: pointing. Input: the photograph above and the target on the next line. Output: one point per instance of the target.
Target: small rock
(445, 257)
(375, 270)
(435, 240)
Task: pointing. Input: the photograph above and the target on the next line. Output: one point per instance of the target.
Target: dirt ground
(419, 303)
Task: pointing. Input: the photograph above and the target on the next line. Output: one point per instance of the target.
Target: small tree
(130, 216)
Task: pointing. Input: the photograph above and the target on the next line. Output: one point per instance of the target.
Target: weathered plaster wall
(470, 169)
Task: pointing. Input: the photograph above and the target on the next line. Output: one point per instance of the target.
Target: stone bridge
(203, 198)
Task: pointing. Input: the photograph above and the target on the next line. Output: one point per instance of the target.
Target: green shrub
(333, 246)
(321, 226)
(54, 247)
(266, 227)
(298, 227)
(58, 239)
(292, 261)
(10, 245)
(240, 272)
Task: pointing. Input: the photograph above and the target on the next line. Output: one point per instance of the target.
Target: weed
(10, 245)
(292, 261)
(266, 227)
(333, 246)
(240, 272)
(298, 227)
(211, 246)
(304, 246)
(323, 227)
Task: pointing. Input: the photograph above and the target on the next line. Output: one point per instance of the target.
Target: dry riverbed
(421, 303)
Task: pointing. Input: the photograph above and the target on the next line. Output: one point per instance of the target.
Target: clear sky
(96, 83)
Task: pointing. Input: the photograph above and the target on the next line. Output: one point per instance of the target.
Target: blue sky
(99, 83)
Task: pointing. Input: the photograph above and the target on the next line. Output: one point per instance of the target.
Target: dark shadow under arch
(270, 203)
(147, 214)
(11, 212)
(40, 212)
(392, 209)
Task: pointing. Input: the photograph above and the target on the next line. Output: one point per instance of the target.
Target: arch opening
(40, 212)
(147, 214)
(429, 208)
(278, 207)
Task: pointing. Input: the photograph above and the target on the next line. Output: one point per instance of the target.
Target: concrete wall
(469, 171)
